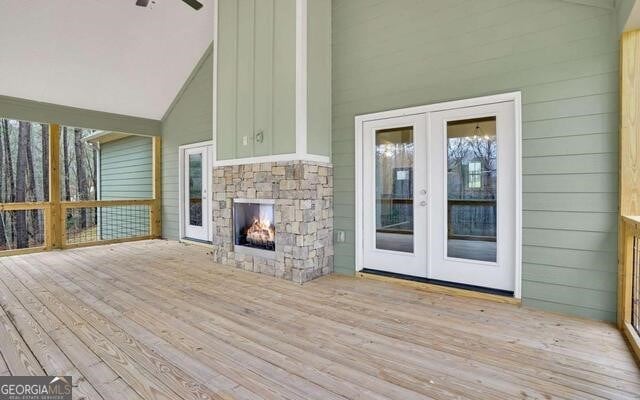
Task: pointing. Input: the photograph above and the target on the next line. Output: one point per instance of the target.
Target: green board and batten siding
(563, 57)
(256, 77)
(188, 120)
(318, 77)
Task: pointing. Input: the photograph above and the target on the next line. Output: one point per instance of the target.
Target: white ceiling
(103, 55)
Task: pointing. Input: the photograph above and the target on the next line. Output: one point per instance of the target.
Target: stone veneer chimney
(303, 194)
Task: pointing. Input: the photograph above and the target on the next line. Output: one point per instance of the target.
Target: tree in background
(21, 188)
(81, 174)
(65, 162)
(31, 190)
(45, 160)
(24, 177)
(21, 170)
(8, 182)
(3, 235)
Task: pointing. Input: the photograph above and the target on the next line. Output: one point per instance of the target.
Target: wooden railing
(114, 221)
(451, 234)
(29, 206)
(146, 213)
(629, 304)
(55, 225)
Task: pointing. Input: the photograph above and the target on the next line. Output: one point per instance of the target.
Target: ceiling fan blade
(142, 3)
(194, 3)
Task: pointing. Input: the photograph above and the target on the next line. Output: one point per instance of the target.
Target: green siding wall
(189, 120)
(319, 77)
(256, 77)
(125, 169)
(125, 173)
(563, 57)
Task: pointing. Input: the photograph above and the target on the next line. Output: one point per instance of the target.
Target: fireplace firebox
(253, 224)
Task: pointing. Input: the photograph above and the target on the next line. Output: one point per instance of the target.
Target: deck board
(158, 319)
(50, 356)
(15, 352)
(4, 369)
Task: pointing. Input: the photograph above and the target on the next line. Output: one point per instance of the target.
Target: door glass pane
(394, 189)
(471, 189)
(195, 189)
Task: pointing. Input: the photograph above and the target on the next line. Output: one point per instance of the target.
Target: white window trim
(515, 97)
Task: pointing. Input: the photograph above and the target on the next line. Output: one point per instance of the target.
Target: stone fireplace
(290, 202)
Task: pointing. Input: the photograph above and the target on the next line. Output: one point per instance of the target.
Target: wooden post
(54, 228)
(629, 163)
(156, 209)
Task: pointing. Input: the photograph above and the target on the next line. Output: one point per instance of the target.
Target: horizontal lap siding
(125, 169)
(188, 121)
(125, 173)
(563, 57)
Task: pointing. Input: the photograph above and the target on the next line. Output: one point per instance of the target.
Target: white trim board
(214, 116)
(301, 77)
(515, 97)
(272, 158)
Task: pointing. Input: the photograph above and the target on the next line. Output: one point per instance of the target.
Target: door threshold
(196, 242)
(443, 287)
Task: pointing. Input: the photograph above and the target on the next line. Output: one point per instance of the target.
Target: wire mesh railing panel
(635, 285)
(22, 229)
(106, 223)
(472, 218)
(395, 214)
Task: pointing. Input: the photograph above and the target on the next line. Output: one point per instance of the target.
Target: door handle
(423, 192)
(423, 203)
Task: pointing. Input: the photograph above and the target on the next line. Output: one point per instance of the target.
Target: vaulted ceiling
(102, 55)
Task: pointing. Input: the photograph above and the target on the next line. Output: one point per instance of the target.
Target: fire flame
(261, 232)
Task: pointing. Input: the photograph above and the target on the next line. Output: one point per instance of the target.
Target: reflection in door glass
(195, 189)
(394, 189)
(471, 189)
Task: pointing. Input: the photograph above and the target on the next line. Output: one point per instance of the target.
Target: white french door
(395, 193)
(196, 208)
(473, 196)
(439, 193)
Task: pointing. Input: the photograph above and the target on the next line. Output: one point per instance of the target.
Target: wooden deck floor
(158, 320)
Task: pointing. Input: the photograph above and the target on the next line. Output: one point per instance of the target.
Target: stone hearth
(303, 195)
